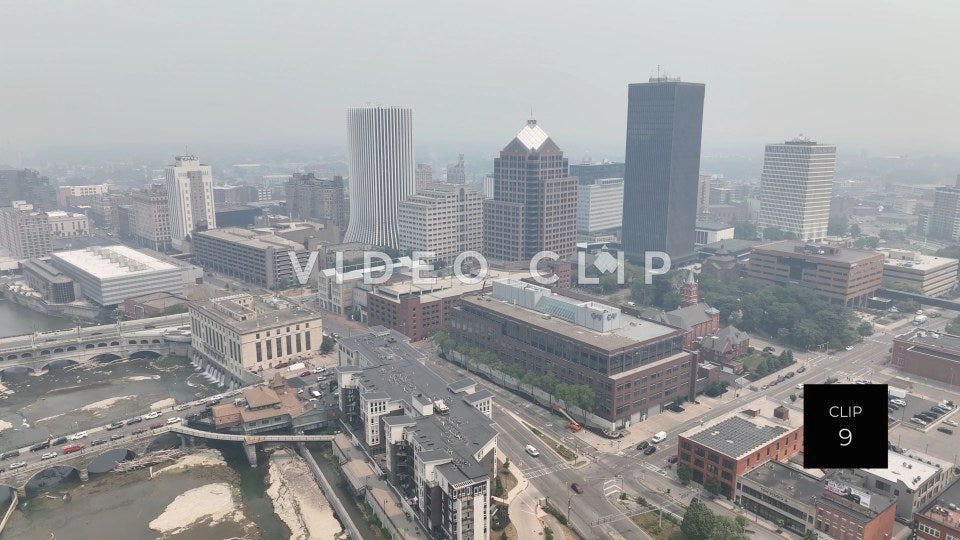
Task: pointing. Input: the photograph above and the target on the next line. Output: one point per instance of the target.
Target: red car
(139, 431)
(71, 448)
(156, 426)
(577, 488)
(281, 365)
(305, 373)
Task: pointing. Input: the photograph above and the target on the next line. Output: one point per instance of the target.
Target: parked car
(576, 488)
(139, 431)
(115, 425)
(18, 465)
(673, 459)
(48, 455)
(305, 373)
(174, 420)
(946, 430)
(802, 369)
(152, 415)
(40, 446)
(650, 450)
(156, 426)
(71, 448)
(58, 441)
(182, 407)
(98, 442)
(117, 436)
(951, 423)
(136, 420)
(79, 435)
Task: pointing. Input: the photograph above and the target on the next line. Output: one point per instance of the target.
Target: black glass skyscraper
(664, 124)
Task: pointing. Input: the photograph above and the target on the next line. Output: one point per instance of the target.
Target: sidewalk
(523, 502)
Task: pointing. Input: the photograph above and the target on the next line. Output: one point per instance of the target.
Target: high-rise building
(600, 206)
(588, 172)
(456, 172)
(795, 187)
(446, 219)
(190, 196)
(534, 205)
(73, 195)
(150, 217)
(703, 195)
(309, 197)
(29, 186)
(25, 231)
(943, 221)
(382, 171)
(664, 123)
(424, 174)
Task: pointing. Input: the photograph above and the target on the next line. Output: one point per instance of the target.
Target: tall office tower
(309, 197)
(600, 207)
(29, 186)
(943, 222)
(424, 174)
(795, 187)
(446, 219)
(703, 195)
(664, 122)
(588, 172)
(190, 195)
(150, 217)
(25, 231)
(382, 171)
(534, 204)
(457, 172)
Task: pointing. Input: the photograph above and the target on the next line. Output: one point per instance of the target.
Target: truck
(659, 437)
(299, 366)
(919, 319)
(315, 393)
(895, 392)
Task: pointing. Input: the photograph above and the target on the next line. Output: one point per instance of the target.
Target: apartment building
(73, 195)
(67, 224)
(634, 366)
(443, 219)
(838, 274)
(434, 440)
(150, 223)
(24, 231)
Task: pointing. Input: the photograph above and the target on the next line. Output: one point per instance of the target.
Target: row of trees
(771, 363)
(791, 313)
(699, 523)
(573, 395)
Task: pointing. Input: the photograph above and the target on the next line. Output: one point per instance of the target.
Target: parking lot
(914, 406)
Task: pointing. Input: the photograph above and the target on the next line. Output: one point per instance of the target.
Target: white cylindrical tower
(382, 171)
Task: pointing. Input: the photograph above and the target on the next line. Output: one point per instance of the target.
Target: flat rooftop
(260, 314)
(832, 253)
(737, 434)
(46, 270)
(939, 340)
(788, 480)
(900, 468)
(904, 261)
(632, 331)
(442, 287)
(255, 238)
(105, 262)
(396, 370)
(946, 508)
(712, 225)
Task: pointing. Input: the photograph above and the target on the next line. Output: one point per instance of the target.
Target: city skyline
(750, 83)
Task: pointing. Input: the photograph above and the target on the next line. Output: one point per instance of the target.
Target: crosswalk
(537, 472)
(611, 487)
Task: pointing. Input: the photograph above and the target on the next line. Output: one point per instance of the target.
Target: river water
(16, 319)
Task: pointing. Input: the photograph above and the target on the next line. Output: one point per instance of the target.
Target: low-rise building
(269, 407)
(725, 347)
(729, 445)
(915, 272)
(634, 366)
(838, 274)
(846, 510)
(67, 224)
(154, 305)
(243, 334)
(779, 493)
(73, 195)
(911, 479)
(933, 355)
(54, 285)
(262, 257)
(940, 519)
(708, 232)
(434, 440)
(108, 275)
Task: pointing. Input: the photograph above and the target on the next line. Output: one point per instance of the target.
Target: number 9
(847, 436)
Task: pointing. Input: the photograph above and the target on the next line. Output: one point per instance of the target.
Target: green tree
(773, 233)
(712, 485)
(838, 225)
(326, 345)
(697, 522)
(684, 473)
(727, 528)
(810, 535)
(953, 327)
(175, 309)
(952, 252)
(865, 329)
(855, 230)
(744, 230)
(867, 242)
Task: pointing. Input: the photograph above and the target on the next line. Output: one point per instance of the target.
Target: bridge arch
(72, 348)
(108, 460)
(12, 357)
(155, 341)
(89, 346)
(50, 477)
(131, 342)
(106, 357)
(45, 352)
(59, 363)
(102, 344)
(144, 342)
(27, 355)
(145, 353)
(17, 369)
(114, 343)
(58, 350)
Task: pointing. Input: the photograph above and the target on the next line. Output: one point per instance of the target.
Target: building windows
(926, 529)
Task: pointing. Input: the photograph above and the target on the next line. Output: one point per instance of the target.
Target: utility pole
(569, 498)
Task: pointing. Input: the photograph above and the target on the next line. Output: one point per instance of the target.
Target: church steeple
(689, 293)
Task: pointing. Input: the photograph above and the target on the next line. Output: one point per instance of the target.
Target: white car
(899, 402)
(18, 465)
(77, 436)
(800, 386)
(48, 455)
(850, 348)
(951, 423)
(152, 415)
(174, 420)
(319, 369)
(181, 407)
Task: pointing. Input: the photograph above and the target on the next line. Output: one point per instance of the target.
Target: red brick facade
(847, 520)
(933, 358)
(413, 316)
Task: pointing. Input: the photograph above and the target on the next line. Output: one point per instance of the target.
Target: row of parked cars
(928, 417)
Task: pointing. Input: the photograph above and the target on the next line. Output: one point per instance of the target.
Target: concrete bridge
(136, 446)
(99, 350)
(33, 345)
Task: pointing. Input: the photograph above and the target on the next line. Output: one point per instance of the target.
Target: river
(16, 320)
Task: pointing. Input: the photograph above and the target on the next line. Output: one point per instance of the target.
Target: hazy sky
(862, 73)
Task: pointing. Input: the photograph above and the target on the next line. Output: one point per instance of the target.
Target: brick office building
(736, 442)
(928, 354)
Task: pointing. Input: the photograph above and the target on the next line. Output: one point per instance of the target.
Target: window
(924, 528)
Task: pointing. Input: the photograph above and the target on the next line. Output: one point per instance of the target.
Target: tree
(952, 252)
(726, 528)
(744, 230)
(953, 327)
(867, 242)
(810, 535)
(712, 485)
(855, 230)
(175, 309)
(773, 233)
(865, 329)
(326, 345)
(838, 225)
(684, 473)
(697, 522)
